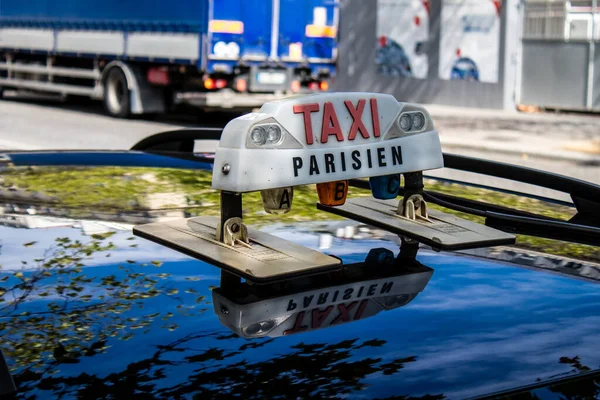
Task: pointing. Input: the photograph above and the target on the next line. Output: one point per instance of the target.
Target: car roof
(479, 326)
(107, 307)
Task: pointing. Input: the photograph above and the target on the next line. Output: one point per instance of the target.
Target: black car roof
(478, 326)
(95, 314)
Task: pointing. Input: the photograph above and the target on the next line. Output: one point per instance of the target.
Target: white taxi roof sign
(324, 138)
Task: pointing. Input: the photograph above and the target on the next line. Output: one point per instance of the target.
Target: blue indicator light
(379, 256)
(385, 187)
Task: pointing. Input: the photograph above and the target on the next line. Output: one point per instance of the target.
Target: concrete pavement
(566, 144)
(568, 137)
(29, 123)
(42, 123)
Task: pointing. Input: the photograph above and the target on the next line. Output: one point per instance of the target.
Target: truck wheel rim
(116, 93)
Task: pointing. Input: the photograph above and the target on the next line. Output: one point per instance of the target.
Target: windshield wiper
(582, 228)
(179, 140)
(499, 190)
(585, 195)
(510, 220)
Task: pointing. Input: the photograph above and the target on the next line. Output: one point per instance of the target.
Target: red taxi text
(331, 126)
(345, 313)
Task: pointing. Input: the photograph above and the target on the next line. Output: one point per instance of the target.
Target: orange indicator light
(332, 193)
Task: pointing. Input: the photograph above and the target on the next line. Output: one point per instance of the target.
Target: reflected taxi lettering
(345, 313)
(331, 125)
(347, 294)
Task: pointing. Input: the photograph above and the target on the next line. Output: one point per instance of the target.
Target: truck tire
(117, 102)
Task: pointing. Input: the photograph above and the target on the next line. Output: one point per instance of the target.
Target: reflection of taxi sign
(324, 139)
(270, 317)
(365, 290)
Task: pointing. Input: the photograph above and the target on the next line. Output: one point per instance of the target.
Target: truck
(142, 57)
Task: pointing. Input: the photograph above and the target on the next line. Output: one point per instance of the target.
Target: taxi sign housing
(324, 138)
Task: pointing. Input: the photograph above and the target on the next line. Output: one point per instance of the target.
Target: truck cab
(283, 45)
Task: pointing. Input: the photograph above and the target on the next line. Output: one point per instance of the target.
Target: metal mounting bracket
(234, 232)
(414, 207)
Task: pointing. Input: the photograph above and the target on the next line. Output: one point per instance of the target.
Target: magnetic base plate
(268, 258)
(444, 232)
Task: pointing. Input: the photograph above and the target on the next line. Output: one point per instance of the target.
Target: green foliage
(81, 311)
(118, 189)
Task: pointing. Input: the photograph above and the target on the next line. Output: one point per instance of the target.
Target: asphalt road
(30, 122)
(41, 123)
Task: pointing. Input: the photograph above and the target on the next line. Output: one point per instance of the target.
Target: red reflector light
(241, 85)
(323, 85)
(209, 84)
(158, 76)
(332, 193)
(295, 86)
(220, 83)
(313, 86)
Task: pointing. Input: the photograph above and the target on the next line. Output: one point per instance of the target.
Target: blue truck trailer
(146, 56)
